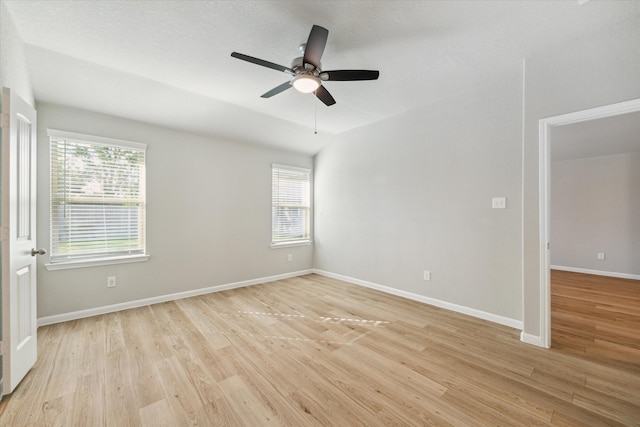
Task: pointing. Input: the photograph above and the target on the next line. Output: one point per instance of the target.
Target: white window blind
(97, 197)
(291, 204)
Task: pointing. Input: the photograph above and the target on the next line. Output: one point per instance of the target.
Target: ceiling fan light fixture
(306, 71)
(306, 83)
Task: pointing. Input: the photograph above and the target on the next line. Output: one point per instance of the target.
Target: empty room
(336, 213)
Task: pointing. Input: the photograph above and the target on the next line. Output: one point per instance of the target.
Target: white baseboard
(531, 339)
(163, 298)
(596, 272)
(517, 324)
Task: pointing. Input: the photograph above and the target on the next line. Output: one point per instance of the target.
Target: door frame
(544, 140)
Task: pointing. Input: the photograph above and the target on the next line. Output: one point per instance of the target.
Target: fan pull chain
(315, 120)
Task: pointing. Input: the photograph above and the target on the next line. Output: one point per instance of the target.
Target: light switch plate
(499, 203)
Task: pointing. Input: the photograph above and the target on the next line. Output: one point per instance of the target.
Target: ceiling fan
(306, 70)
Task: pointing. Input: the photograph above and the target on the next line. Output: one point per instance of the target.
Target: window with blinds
(97, 197)
(291, 205)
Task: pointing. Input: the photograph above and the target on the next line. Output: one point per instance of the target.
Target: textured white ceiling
(168, 62)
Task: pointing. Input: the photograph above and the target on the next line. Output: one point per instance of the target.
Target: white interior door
(19, 317)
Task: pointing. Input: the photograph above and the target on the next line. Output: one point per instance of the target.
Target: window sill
(290, 244)
(95, 262)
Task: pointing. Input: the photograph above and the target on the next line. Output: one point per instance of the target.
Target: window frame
(105, 258)
(303, 241)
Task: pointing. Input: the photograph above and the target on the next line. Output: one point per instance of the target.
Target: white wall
(577, 75)
(13, 70)
(595, 207)
(413, 193)
(208, 216)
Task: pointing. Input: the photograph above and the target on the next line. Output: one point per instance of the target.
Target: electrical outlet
(499, 203)
(600, 255)
(289, 257)
(111, 281)
(426, 275)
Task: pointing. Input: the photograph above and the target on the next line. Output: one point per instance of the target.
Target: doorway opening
(546, 129)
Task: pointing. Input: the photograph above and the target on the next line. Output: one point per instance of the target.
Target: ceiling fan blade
(262, 62)
(276, 90)
(324, 96)
(349, 75)
(315, 45)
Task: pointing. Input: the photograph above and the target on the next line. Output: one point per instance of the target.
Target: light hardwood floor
(309, 351)
(597, 317)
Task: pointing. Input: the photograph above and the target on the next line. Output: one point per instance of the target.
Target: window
(97, 198)
(291, 205)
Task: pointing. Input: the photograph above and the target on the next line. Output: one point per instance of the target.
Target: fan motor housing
(297, 65)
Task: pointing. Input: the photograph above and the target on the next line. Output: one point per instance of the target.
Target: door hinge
(4, 120)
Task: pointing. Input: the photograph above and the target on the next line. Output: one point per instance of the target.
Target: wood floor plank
(157, 414)
(120, 402)
(182, 396)
(57, 411)
(89, 399)
(315, 351)
(597, 317)
(242, 399)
